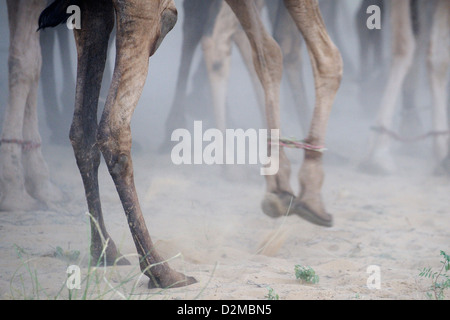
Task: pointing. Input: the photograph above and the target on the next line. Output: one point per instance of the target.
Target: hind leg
(92, 44)
(141, 26)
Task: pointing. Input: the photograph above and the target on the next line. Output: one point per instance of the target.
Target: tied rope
(409, 139)
(299, 144)
(26, 145)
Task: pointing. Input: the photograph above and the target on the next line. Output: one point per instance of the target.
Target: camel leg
(216, 46)
(268, 64)
(334, 10)
(141, 26)
(241, 41)
(197, 15)
(379, 159)
(245, 49)
(411, 124)
(24, 69)
(37, 176)
(286, 34)
(92, 43)
(327, 69)
(438, 66)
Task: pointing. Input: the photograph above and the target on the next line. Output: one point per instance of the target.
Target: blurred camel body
(24, 175)
(404, 46)
(136, 40)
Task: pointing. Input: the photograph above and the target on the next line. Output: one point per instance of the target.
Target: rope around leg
(26, 145)
(299, 144)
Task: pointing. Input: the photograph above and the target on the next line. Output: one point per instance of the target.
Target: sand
(207, 221)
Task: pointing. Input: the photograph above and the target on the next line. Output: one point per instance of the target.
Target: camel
(379, 159)
(141, 28)
(24, 174)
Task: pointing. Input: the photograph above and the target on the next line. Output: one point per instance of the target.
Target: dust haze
(212, 214)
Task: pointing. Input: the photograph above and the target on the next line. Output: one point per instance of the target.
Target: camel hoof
(173, 280)
(302, 210)
(20, 203)
(122, 261)
(276, 205)
(49, 194)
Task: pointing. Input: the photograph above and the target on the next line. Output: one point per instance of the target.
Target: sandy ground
(211, 224)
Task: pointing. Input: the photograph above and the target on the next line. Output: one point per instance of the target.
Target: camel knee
(403, 50)
(115, 145)
(84, 147)
(330, 67)
(438, 63)
(24, 66)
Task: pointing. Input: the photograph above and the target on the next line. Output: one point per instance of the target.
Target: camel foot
(19, 201)
(47, 193)
(277, 204)
(318, 218)
(172, 279)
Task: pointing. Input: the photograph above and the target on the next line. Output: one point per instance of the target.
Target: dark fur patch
(56, 13)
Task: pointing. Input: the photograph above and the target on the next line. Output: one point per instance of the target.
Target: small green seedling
(306, 274)
(66, 255)
(271, 295)
(440, 280)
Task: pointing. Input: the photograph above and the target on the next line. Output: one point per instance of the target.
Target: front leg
(268, 62)
(327, 69)
(139, 28)
(379, 159)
